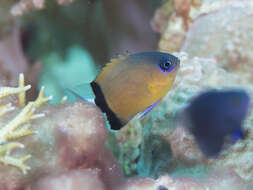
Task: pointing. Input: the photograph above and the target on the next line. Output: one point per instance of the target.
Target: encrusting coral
(226, 180)
(225, 38)
(72, 180)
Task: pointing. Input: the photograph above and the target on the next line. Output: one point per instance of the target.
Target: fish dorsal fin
(108, 69)
(118, 59)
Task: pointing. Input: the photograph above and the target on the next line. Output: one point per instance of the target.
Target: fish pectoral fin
(151, 86)
(83, 92)
(141, 115)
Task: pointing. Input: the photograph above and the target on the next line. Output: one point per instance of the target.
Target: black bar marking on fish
(100, 101)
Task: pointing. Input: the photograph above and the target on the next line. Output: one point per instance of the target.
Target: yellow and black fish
(133, 84)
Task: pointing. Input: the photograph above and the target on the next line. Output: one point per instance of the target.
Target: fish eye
(166, 65)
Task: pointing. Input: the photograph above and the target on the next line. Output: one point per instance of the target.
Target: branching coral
(19, 126)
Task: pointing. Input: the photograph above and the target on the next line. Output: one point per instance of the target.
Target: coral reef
(194, 76)
(89, 179)
(6, 20)
(68, 146)
(229, 181)
(225, 38)
(13, 60)
(57, 145)
(73, 180)
(229, 46)
(172, 20)
(19, 125)
(73, 148)
(215, 35)
(64, 151)
(51, 74)
(25, 6)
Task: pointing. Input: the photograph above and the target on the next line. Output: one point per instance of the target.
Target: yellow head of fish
(159, 73)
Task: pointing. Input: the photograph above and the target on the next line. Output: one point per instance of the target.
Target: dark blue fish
(161, 187)
(215, 115)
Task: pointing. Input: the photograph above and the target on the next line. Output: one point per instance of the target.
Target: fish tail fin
(83, 92)
(210, 146)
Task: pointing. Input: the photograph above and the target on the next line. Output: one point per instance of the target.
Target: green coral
(140, 150)
(155, 157)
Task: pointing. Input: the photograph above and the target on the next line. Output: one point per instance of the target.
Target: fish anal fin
(147, 110)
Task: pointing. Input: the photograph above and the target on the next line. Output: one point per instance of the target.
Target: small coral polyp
(20, 125)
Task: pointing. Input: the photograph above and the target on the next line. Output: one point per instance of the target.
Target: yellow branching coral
(20, 125)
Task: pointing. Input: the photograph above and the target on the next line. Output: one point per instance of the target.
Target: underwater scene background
(70, 68)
